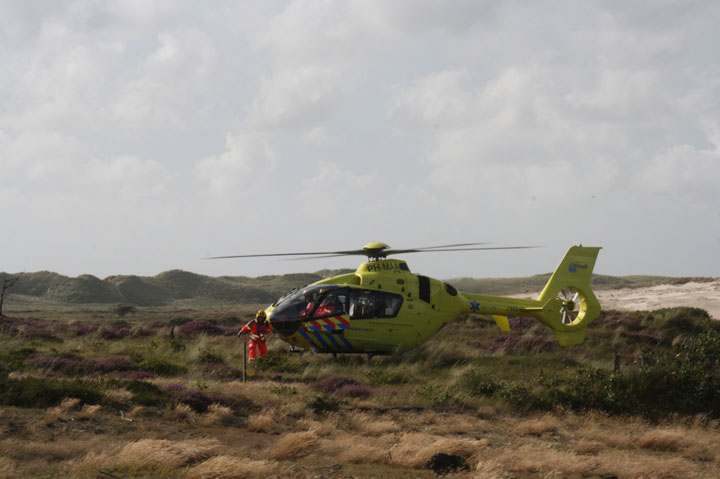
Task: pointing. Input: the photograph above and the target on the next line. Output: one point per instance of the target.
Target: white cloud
(683, 170)
(41, 156)
(132, 178)
(320, 136)
(328, 189)
(242, 168)
(292, 97)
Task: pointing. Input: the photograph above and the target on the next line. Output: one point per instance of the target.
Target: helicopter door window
(366, 304)
(362, 304)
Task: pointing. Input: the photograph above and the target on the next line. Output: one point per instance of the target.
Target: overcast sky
(140, 136)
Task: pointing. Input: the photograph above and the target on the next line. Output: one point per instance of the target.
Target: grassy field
(159, 394)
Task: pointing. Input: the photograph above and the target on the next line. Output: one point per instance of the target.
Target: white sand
(704, 295)
(698, 295)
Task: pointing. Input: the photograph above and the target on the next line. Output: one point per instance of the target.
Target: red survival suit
(258, 329)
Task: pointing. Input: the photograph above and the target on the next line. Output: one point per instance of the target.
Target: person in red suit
(258, 328)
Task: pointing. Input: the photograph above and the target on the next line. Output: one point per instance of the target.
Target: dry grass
(67, 405)
(588, 447)
(640, 466)
(355, 449)
(183, 412)
(120, 396)
(217, 414)
(88, 411)
(610, 434)
(228, 467)
(134, 412)
(261, 422)
(58, 413)
(538, 426)
(661, 440)
(535, 458)
(58, 450)
(294, 445)
(8, 468)
(416, 449)
(370, 425)
(52, 416)
(486, 412)
(147, 453)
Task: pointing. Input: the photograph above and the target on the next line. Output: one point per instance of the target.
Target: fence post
(245, 350)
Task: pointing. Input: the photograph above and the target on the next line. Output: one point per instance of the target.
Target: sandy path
(699, 295)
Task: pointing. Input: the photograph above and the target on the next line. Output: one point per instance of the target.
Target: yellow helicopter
(383, 307)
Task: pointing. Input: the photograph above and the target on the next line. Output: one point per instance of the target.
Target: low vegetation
(159, 394)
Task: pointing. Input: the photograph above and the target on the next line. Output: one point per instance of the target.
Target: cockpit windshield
(323, 300)
(311, 302)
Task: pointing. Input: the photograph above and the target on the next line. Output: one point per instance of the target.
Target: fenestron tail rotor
(572, 304)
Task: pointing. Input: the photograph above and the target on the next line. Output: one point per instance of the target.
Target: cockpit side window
(333, 303)
(367, 304)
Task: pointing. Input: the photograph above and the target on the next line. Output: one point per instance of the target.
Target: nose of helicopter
(285, 320)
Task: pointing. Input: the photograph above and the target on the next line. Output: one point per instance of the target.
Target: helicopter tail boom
(567, 304)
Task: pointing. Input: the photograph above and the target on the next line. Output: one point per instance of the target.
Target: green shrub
(207, 356)
(144, 393)
(322, 403)
(283, 390)
(14, 359)
(379, 376)
(435, 395)
(685, 380)
(478, 384)
(279, 361)
(161, 367)
(46, 392)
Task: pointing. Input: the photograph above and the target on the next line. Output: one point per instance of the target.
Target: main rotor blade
(403, 251)
(426, 248)
(380, 253)
(416, 250)
(324, 256)
(333, 253)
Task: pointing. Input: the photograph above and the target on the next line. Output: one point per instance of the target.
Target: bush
(71, 365)
(282, 362)
(196, 399)
(14, 359)
(206, 356)
(383, 375)
(321, 404)
(355, 390)
(436, 396)
(684, 381)
(331, 384)
(194, 328)
(161, 367)
(217, 371)
(81, 329)
(112, 333)
(144, 393)
(46, 392)
(478, 384)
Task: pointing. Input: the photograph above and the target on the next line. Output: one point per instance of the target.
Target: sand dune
(704, 295)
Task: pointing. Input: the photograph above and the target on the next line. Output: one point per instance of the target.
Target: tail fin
(568, 302)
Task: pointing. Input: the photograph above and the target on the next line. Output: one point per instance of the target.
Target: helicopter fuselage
(382, 307)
